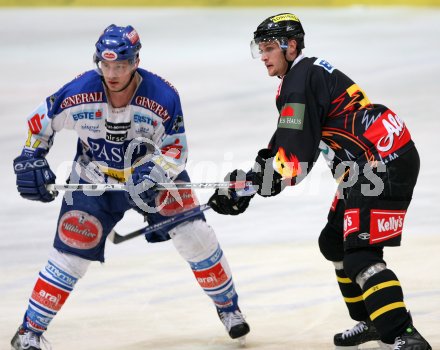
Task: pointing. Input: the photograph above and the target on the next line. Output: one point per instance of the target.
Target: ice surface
(144, 296)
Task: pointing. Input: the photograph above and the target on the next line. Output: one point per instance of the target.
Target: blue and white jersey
(104, 132)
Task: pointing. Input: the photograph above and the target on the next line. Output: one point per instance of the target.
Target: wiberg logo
(386, 224)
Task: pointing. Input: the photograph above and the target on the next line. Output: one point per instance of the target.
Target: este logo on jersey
(140, 118)
(88, 115)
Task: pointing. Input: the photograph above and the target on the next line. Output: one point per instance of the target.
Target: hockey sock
(384, 300)
(214, 276)
(352, 294)
(48, 296)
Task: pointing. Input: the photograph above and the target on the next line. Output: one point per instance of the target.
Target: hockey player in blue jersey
(130, 129)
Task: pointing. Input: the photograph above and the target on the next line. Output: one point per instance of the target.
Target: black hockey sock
(384, 300)
(352, 295)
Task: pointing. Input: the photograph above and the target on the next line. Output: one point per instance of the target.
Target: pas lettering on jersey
(105, 133)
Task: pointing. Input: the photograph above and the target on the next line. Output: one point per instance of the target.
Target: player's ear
(291, 49)
(292, 44)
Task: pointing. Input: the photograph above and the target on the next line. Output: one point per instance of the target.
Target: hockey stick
(116, 238)
(159, 186)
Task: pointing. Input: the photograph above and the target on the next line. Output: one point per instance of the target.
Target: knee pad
(370, 271)
(331, 243)
(339, 265)
(194, 240)
(358, 260)
(72, 264)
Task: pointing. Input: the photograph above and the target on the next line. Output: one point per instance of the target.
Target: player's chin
(271, 71)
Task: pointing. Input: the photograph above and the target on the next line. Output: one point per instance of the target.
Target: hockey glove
(141, 186)
(33, 174)
(268, 182)
(228, 201)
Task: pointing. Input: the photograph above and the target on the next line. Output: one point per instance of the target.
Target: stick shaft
(116, 238)
(160, 186)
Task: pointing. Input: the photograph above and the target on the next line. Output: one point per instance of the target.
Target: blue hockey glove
(268, 182)
(33, 174)
(233, 201)
(141, 185)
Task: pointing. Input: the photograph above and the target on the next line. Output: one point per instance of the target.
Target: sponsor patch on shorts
(385, 224)
(351, 221)
(174, 202)
(79, 230)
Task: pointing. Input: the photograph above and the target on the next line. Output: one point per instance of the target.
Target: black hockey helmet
(280, 27)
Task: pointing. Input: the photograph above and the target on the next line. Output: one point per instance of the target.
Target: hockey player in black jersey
(321, 110)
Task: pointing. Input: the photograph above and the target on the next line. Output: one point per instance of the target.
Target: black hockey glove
(228, 201)
(266, 180)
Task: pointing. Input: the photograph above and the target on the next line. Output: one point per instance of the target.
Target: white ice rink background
(145, 296)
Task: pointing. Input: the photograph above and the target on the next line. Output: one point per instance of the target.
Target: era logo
(351, 221)
(385, 224)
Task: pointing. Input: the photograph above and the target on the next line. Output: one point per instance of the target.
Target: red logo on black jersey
(388, 133)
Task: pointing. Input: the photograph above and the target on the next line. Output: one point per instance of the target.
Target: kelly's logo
(386, 224)
(351, 221)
